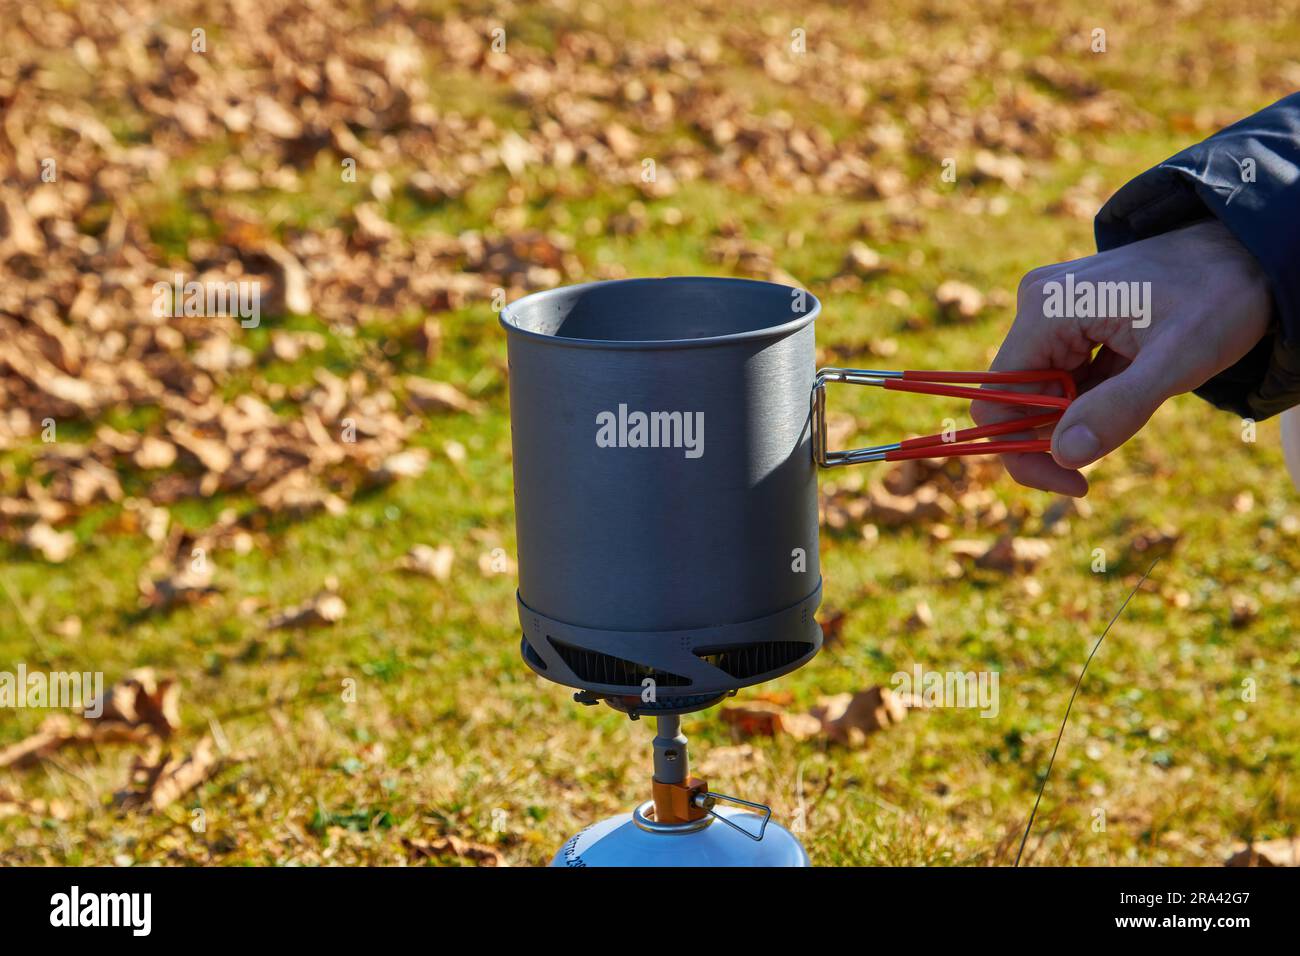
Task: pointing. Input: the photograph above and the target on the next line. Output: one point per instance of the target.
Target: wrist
(1247, 281)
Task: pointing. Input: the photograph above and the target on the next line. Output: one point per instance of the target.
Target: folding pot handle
(952, 384)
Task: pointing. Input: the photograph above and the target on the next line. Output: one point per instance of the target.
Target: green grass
(450, 728)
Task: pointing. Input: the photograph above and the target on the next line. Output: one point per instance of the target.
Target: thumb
(1109, 414)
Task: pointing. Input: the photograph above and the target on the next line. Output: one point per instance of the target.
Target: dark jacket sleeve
(1214, 178)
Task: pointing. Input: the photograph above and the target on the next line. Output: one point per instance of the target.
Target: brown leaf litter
(79, 334)
(13, 803)
(138, 708)
(322, 609)
(1009, 554)
(429, 561)
(161, 777)
(847, 719)
(443, 847)
(1284, 851)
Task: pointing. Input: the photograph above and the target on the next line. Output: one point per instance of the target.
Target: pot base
(675, 664)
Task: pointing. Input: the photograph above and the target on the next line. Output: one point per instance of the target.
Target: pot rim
(511, 326)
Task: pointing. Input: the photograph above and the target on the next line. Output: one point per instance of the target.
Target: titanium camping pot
(665, 486)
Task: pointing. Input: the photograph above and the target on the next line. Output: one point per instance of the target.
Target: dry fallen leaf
(496, 561)
(926, 503)
(1056, 514)
(53, 546)
(323, 609)
(1015, 554)
(920, 618)
(862, 260)
(957, 300)
(1008, 554)
(456, 452)
(292, 282)
(154, 453)
(440, 396)
(760, 718)
(800, 726)
(136, 709)
(429, 561)
(190, 584)
(405, 464)
(55, 731)
(1156, 543)
(1007, 169)
(141, 699)
(1242, 610)
(850, 718)
(69, 626)
(454, 846)
(832, 621)
(1284, 851)
(161, 778)
(843, 718)
(212, 454)
(13, 803)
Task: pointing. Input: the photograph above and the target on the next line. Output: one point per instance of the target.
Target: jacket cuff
(1206, 181)
(1264, 383)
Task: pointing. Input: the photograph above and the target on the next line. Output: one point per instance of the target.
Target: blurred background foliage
(304, 528)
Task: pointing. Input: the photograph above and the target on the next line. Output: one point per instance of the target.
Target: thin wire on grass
(1077, 684)
(23, 616)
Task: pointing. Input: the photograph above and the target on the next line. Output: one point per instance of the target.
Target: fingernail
(1077, 446)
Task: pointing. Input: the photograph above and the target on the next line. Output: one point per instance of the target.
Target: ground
(779, 140)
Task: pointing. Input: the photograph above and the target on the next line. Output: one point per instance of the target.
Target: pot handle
(955, 385)
(706, 801)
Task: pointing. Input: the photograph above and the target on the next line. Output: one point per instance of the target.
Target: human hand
(1197, 302)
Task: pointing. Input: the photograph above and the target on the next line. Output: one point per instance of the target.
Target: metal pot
(665, 485)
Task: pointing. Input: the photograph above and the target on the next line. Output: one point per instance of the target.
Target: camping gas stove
(684, 823)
